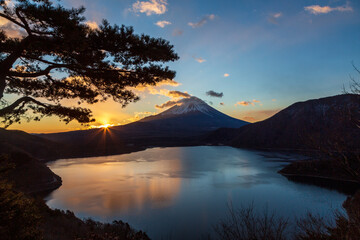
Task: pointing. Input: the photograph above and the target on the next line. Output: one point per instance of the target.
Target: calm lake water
(181, 192)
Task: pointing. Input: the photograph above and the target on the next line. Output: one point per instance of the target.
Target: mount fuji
(192, 116)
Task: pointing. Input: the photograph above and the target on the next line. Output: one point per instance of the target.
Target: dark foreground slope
(19, 141)
(28, 174)
(313, 124)
(26, 155)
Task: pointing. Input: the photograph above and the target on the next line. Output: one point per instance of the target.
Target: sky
(246, 58)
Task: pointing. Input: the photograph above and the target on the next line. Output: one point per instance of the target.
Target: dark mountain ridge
(312, 124)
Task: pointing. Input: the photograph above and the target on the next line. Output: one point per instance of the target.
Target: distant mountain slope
(15, 140)
(179, 125)
(303, 125)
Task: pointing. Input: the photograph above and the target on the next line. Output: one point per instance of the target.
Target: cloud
(139, 115)
(277, 15)
(179, 102)
(244, 103)
(177, 32)
(317, 9)
(212, 93)
(199, 59)
(156, 91)
(167, 104)
(204, 20)
(167, 93)
(274, 17)
(162, 24)
(177, 94)
(167, 82)
(222, 104)
(159, 90)
(248, 103)
(92, 24)
(274, 100)
(226, 74)
(150, 7)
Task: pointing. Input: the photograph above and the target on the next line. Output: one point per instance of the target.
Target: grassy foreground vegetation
(247, 223)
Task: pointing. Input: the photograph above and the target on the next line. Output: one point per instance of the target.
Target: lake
(182, 192)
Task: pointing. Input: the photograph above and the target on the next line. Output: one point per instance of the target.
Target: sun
(106, 126)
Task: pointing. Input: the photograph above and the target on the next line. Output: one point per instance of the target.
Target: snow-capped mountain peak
(191, 115)
(187, 105)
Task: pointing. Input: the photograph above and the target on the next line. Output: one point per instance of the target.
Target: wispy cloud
(177, 94)
(273, 18)
(226, 75)
(139, 115)
(244, 103)
(204, 20)
(162, 24)
(150, 7)
(248, 103)
(317, 9)
(167, 82)
(167, 93)
(177, 32)
(167, 104)
(212, 93)
(92, 24)
(158, 89)
(199, 59)
(172, 103)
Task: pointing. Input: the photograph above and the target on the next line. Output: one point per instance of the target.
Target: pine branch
(22, 100)
(11, 20)
(46, 71)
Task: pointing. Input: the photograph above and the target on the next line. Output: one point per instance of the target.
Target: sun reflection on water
(104, 187)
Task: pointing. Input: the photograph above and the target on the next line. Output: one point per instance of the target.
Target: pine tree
(55, 55)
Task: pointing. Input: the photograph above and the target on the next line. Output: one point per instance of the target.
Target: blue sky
(274, 52)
